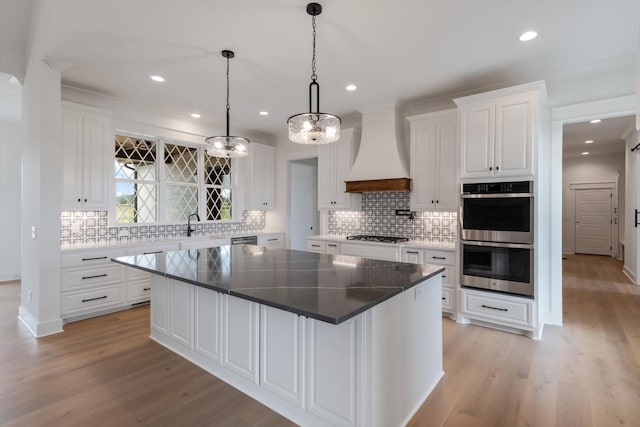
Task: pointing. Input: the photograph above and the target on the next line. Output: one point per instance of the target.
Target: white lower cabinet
(208, 324)
(498, 309)
(319, 246)
(281, 347)
(332, 371)
(181, 313)
(160, 305)
(240, 337)
(446, 258)
(385, 252)
(275, 240)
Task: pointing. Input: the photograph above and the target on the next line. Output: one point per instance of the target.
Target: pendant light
(314, 127)
(227, 146)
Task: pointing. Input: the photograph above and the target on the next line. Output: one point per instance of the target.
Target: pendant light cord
(314, 76)
(228, 106)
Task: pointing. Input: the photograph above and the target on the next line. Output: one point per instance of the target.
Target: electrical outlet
(33, 234)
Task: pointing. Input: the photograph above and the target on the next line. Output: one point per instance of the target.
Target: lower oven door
(503, 267)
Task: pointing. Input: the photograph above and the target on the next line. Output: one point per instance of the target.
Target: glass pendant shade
(227, 146)
(314, 128)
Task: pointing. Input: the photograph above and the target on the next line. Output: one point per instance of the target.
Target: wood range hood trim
(373, 185)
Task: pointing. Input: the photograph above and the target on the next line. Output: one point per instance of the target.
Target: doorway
(594, 223)
(303, 208)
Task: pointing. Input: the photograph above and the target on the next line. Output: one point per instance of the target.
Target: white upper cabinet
(434, 161)
(498, 132)
(87, 146)
(334, 163)
(259, 177)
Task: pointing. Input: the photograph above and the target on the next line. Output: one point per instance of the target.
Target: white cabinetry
(366, 250)
(138, 281)
(322, 246)
(91, 283)
(240, 337)
(274, 240)
(434, 161)
(498, 309)
(334, 163)
(258, 177)
(498, 132)
(446, 258)
(87, 142)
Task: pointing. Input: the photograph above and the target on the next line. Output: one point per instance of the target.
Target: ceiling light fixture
(528, 35)
(227, 146)
(314, 127)
(264, 113)
(584, 153)
(195, 115)
(351, 87)
(157, 78)
(589, 141)
(595, 121)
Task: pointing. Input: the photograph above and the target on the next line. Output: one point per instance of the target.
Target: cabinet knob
(497, 168)
(437, 201)
(85, 200)
(490, 168)
(79, 200)
(432, 201)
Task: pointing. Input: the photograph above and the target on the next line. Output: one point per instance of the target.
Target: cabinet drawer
(316, 246)
(448, 299)
(448, 277)
(81, 259)
(497, 309)
(388, 253)
(439, 257)
(83, 278)
(332, 248)
(136, 274)
(153, 249)
(92, 300)
(139, 291)
(276, 240)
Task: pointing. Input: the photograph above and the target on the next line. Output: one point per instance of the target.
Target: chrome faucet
(189, 229)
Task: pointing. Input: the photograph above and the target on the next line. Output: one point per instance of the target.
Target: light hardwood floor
(105, 371)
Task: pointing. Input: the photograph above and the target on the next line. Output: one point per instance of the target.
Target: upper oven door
(497, 217)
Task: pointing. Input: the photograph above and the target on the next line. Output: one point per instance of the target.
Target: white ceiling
(406, 50)
(608, 136)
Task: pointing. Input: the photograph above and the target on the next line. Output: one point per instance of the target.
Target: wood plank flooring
(106, 372)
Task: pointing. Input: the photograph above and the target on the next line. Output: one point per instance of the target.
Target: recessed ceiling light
(351, 87)
(584, 153)
(589, 141)
(264, 113)
(528, 35)
(595, 121)
(195, 115)
(157, 78)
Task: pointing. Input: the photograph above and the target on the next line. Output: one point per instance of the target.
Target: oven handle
(498, 244)
(495, 195)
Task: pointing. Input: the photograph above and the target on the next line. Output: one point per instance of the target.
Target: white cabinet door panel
(160, 304)
(208, 327)
(476, 137)
(181, 309)
(280, 352)
(241, 337)
(514, 136)
(448, 191)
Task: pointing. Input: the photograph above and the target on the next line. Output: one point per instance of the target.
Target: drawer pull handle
(272, 240)
(444, 276)
(444, 298)
(93, 259)
(412, 252)
(146, 289)
(439, 257)
(315, 246)
(94, 299)
(495, 308)
(333, 246)
(150, 253)
(94, 277)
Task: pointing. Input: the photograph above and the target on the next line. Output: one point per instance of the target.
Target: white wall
(590, 169)
(303, 209)
(632, 173)
(10, 154)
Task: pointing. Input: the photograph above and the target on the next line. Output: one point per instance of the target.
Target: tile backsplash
(378, 217)
(82, 228)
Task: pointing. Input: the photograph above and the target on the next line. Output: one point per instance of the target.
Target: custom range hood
(381, 164)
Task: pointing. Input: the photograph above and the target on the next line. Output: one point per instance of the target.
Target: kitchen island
(322, 339)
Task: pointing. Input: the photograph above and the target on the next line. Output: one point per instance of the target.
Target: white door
(593, 221)
(304, 217)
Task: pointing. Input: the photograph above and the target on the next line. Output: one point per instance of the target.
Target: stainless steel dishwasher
(249, 240)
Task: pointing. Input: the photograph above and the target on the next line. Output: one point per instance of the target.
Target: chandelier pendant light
(314, 127)
(227, 146)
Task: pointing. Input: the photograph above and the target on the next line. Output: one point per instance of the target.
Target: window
(147, 194)
(136, 180)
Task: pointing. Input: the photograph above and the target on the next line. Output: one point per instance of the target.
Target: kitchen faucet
(189, 229)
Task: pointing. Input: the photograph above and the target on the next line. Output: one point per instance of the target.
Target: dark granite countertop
(331, 288)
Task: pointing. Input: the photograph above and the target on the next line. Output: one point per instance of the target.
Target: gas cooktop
(383, 239)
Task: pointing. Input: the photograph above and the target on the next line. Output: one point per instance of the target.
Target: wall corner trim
(39, 330)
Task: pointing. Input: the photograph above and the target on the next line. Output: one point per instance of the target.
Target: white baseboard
(9, 277)
(629, 274)
(39, 329)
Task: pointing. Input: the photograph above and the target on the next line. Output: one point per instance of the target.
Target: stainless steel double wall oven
(497, 230)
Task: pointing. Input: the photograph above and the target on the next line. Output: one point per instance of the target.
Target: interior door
(593, 221)
(304, 216)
